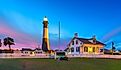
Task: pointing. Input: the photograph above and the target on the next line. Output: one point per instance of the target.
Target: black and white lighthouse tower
(45, 39)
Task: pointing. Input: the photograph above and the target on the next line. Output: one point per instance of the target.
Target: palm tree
(9, 41)
(0, 43)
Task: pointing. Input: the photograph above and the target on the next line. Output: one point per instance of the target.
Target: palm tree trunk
(9, 47)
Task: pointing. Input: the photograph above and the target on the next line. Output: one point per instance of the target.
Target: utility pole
(113, 48)
(59, 36)
(0, 43)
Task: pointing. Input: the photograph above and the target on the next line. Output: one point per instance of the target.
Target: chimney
(94, 39)
(76, 35)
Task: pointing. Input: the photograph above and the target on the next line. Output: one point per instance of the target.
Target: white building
(84, 46)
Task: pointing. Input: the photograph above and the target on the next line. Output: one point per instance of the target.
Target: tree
(9, 41)
(0, 43)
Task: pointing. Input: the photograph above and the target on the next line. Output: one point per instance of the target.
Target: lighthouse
(45, 39)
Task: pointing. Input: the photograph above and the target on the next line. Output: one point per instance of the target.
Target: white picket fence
(95, 56)
(23, 56)
(70, 56)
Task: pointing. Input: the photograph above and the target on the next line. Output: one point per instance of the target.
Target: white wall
(74, 46)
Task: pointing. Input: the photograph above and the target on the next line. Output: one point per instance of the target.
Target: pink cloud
(21, 39)
(111, 34)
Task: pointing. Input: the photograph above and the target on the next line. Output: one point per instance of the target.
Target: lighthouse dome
(45, 19)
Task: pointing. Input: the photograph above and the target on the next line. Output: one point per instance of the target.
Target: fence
(9, 55)
(95, 56)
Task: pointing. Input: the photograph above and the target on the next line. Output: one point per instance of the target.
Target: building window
(93, 49)
(69, 44)
(69, 50)
(26, 52)
(97, 49)
(72, 49)
(77, 49)
(76, 41)
(85, 49)
(72, 42)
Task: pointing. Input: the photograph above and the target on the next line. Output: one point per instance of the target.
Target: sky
(22, 20)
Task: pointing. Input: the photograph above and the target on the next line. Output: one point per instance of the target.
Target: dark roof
(26, 49)
(37, 49)
(87, 41)
(66, 49)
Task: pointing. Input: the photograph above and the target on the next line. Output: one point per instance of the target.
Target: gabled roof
(26, 49)
(37, 49)
(87, 41)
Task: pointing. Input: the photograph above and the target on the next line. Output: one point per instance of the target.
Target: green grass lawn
(51, 64)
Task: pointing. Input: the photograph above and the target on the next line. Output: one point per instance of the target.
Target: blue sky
(23, 19)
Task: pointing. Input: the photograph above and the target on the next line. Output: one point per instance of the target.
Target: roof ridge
(84, 38)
